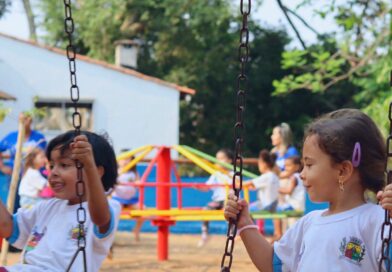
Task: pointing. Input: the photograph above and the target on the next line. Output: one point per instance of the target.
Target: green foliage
(4, 4)
(359, 53)
(3, 112)
(194, 43)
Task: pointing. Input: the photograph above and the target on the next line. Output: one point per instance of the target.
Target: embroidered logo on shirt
(353, 250)
(34, 239)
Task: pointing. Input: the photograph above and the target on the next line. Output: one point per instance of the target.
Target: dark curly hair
(103, 153)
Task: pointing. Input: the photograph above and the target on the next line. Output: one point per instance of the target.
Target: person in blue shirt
(282, 141)
(33, 139)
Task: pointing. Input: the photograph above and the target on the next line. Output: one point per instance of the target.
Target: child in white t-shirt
(267, 185)
(32, 181)
(219, 193)
(292, 193)
(344, 154)
(125, 191)
(49, 233)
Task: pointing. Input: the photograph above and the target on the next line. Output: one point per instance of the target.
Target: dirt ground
(184, 255)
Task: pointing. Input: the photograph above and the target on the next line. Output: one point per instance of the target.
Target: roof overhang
(5, 96)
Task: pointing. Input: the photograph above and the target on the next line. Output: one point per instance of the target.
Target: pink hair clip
(356, 159)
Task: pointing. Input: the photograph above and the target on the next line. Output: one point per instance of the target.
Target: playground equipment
(164, 216)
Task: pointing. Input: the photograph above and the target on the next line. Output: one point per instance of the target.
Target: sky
(14, 23)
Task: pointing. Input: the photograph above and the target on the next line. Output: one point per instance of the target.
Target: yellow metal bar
(200, 215)
(137, 159)
(199, 162)
(246, 194)
(198, 218)
(128, 154)
(174, 212)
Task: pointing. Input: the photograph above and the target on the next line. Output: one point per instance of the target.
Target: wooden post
(14, 183)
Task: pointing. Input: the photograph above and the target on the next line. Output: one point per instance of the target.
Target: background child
(219, 194)
(49, 231)
(282, 141)
(125, 192)
(344, 155)
(32, 181)
(293, 193)
(267, 185)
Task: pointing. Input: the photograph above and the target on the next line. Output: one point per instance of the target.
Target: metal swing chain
(386, 228)
(243, 56)
(69, 27)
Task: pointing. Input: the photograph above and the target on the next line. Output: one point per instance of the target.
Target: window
(58, 115)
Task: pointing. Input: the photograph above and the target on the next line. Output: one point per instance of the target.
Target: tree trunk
(30, 19)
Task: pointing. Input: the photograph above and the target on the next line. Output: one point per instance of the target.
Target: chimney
(126, 53)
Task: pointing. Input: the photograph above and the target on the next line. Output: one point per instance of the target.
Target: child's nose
(302, 174)
(53, 171)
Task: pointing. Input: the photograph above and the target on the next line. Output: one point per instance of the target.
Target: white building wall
(132, 110)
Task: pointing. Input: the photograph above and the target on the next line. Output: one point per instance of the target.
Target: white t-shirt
(297, 197)
(218, 193)
(32, 183)
(348, 241)
(124, 188)
(48, 233)
(267, 186)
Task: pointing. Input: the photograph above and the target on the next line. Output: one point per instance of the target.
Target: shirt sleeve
(211, 180)
(43, 143)
(291, 152)
(288, 249)
(23, 222)
(103, 241)
(4, 143)
(260, 182)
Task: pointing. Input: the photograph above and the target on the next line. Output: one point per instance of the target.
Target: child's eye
(65, 165)
(51, 166)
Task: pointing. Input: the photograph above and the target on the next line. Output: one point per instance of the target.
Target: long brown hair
(30, 157)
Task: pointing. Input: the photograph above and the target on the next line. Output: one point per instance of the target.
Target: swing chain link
(386, 228)
(243, 57)
(69, 28)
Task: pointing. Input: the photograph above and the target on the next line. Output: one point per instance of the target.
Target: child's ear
(346, 170)
(101, 171)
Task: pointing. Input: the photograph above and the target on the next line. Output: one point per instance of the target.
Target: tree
(30, 19)
(194, 43)
(359, 53)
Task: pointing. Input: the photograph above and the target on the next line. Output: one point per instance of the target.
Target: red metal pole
(179, 188)
(163, 203)
(144, 178)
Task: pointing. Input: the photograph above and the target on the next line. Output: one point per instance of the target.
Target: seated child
(293, 192)
(32, 182)
(49, 231)
(267, 184)
(126, 193)
(218, 193)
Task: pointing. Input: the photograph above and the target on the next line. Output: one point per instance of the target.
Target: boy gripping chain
(48, 232)
(344, 155)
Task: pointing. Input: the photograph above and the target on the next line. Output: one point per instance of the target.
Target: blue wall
(191, 198)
